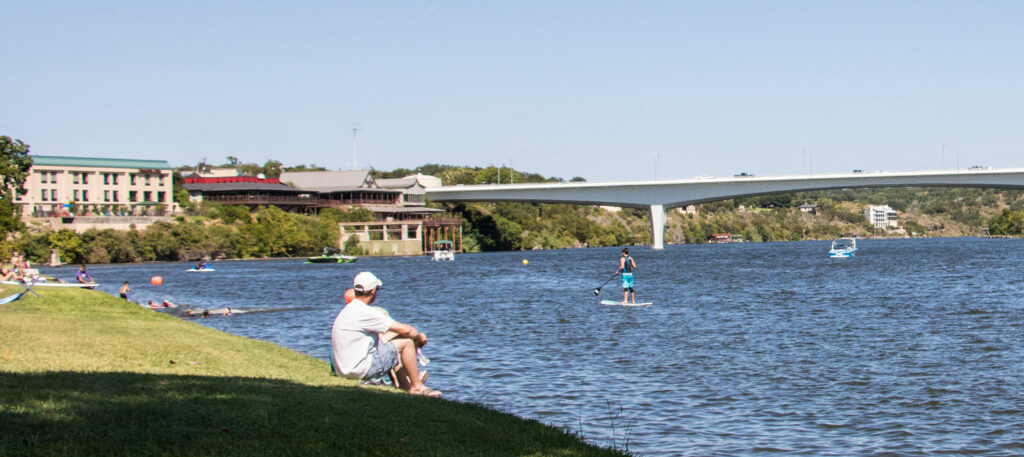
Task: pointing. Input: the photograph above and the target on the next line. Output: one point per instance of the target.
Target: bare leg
(625, 295)
(407, 355)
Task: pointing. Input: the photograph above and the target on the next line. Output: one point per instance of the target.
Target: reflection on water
(914, 347)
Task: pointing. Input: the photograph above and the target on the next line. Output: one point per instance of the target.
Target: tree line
(214, 232)
(209, 230)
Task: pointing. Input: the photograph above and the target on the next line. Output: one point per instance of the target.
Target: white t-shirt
(354, 333)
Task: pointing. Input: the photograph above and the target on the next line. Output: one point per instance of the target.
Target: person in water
(626, 266)
(83, 276)
(124, 290)
(358, 351)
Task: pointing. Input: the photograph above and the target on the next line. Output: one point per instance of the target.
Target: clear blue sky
(604, 90)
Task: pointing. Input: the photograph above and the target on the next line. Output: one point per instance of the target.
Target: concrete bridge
(659, 196)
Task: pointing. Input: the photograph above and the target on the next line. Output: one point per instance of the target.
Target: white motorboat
(842, 248)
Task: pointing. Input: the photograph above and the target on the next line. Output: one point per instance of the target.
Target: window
(85, 195)
(132, 179)
(133, 196)
(106, 195)
(160, 196)
(53, 194)
(85, 178)
(106, 179)
(147, 180)
(147, 196)
(76, 195)
(114, 179)
(115, 194)
(161, 180)
(42, 177)
(53, 177)
(43, 197)
(74, 178)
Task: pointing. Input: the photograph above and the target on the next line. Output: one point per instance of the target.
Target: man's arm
(409, 331)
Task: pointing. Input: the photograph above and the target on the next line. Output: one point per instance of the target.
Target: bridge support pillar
(657, 227)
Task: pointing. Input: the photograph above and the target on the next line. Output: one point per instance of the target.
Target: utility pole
(355, 130)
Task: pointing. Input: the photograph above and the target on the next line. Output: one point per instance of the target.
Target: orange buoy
(350, 295)
(156, 280)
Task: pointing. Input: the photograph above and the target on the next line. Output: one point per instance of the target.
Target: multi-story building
(882, 217)
(95, 186)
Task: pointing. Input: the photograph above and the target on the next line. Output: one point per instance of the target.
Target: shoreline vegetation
(85, 373)
(212, 231)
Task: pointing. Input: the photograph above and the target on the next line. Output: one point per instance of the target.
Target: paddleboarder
(626, 266)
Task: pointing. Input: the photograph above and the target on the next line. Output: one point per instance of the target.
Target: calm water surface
(914, 347)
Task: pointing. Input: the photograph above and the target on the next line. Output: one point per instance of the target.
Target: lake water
(914, 347)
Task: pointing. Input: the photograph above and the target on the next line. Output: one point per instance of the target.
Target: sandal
(427, 392)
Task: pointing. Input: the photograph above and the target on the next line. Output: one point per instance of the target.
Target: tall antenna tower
(355, 130)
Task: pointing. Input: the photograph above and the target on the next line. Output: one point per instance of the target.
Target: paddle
(28, 288)
(598, 290)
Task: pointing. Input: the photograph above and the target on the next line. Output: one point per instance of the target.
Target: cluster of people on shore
(18, 269)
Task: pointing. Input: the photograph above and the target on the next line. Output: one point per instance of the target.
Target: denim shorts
(383, 358)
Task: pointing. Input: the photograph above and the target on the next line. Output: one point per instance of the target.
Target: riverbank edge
(85, 373)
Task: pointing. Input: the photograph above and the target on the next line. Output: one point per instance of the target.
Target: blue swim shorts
(383, 358)
(627, 281)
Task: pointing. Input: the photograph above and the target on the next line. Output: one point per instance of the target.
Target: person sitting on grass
(83, 277)
(9, 274)
(359, 352)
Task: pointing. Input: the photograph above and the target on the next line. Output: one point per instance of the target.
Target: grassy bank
(84, 373)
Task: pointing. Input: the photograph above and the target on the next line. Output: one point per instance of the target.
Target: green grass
(85, 373)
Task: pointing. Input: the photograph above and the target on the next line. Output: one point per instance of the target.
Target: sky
(607, 91)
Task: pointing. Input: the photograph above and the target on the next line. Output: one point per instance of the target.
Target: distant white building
(882, 217)
(220, 173)
(808, 208)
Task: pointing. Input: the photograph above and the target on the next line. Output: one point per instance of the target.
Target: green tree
(272, 169)
(69, 245)
(14, 165)
(182, 199)
(351, 246)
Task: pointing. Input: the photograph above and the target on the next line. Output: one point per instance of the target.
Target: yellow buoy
(525, 261)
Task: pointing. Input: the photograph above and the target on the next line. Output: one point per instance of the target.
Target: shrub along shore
(85, 373)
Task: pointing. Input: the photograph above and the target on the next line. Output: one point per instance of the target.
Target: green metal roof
(61, 161)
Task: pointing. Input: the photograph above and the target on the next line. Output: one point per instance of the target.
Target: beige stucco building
(96, 186)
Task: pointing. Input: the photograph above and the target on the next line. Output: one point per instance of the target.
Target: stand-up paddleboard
(619, 303)
(51, 284)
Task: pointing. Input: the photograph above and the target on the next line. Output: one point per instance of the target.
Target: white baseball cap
(366, 282)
